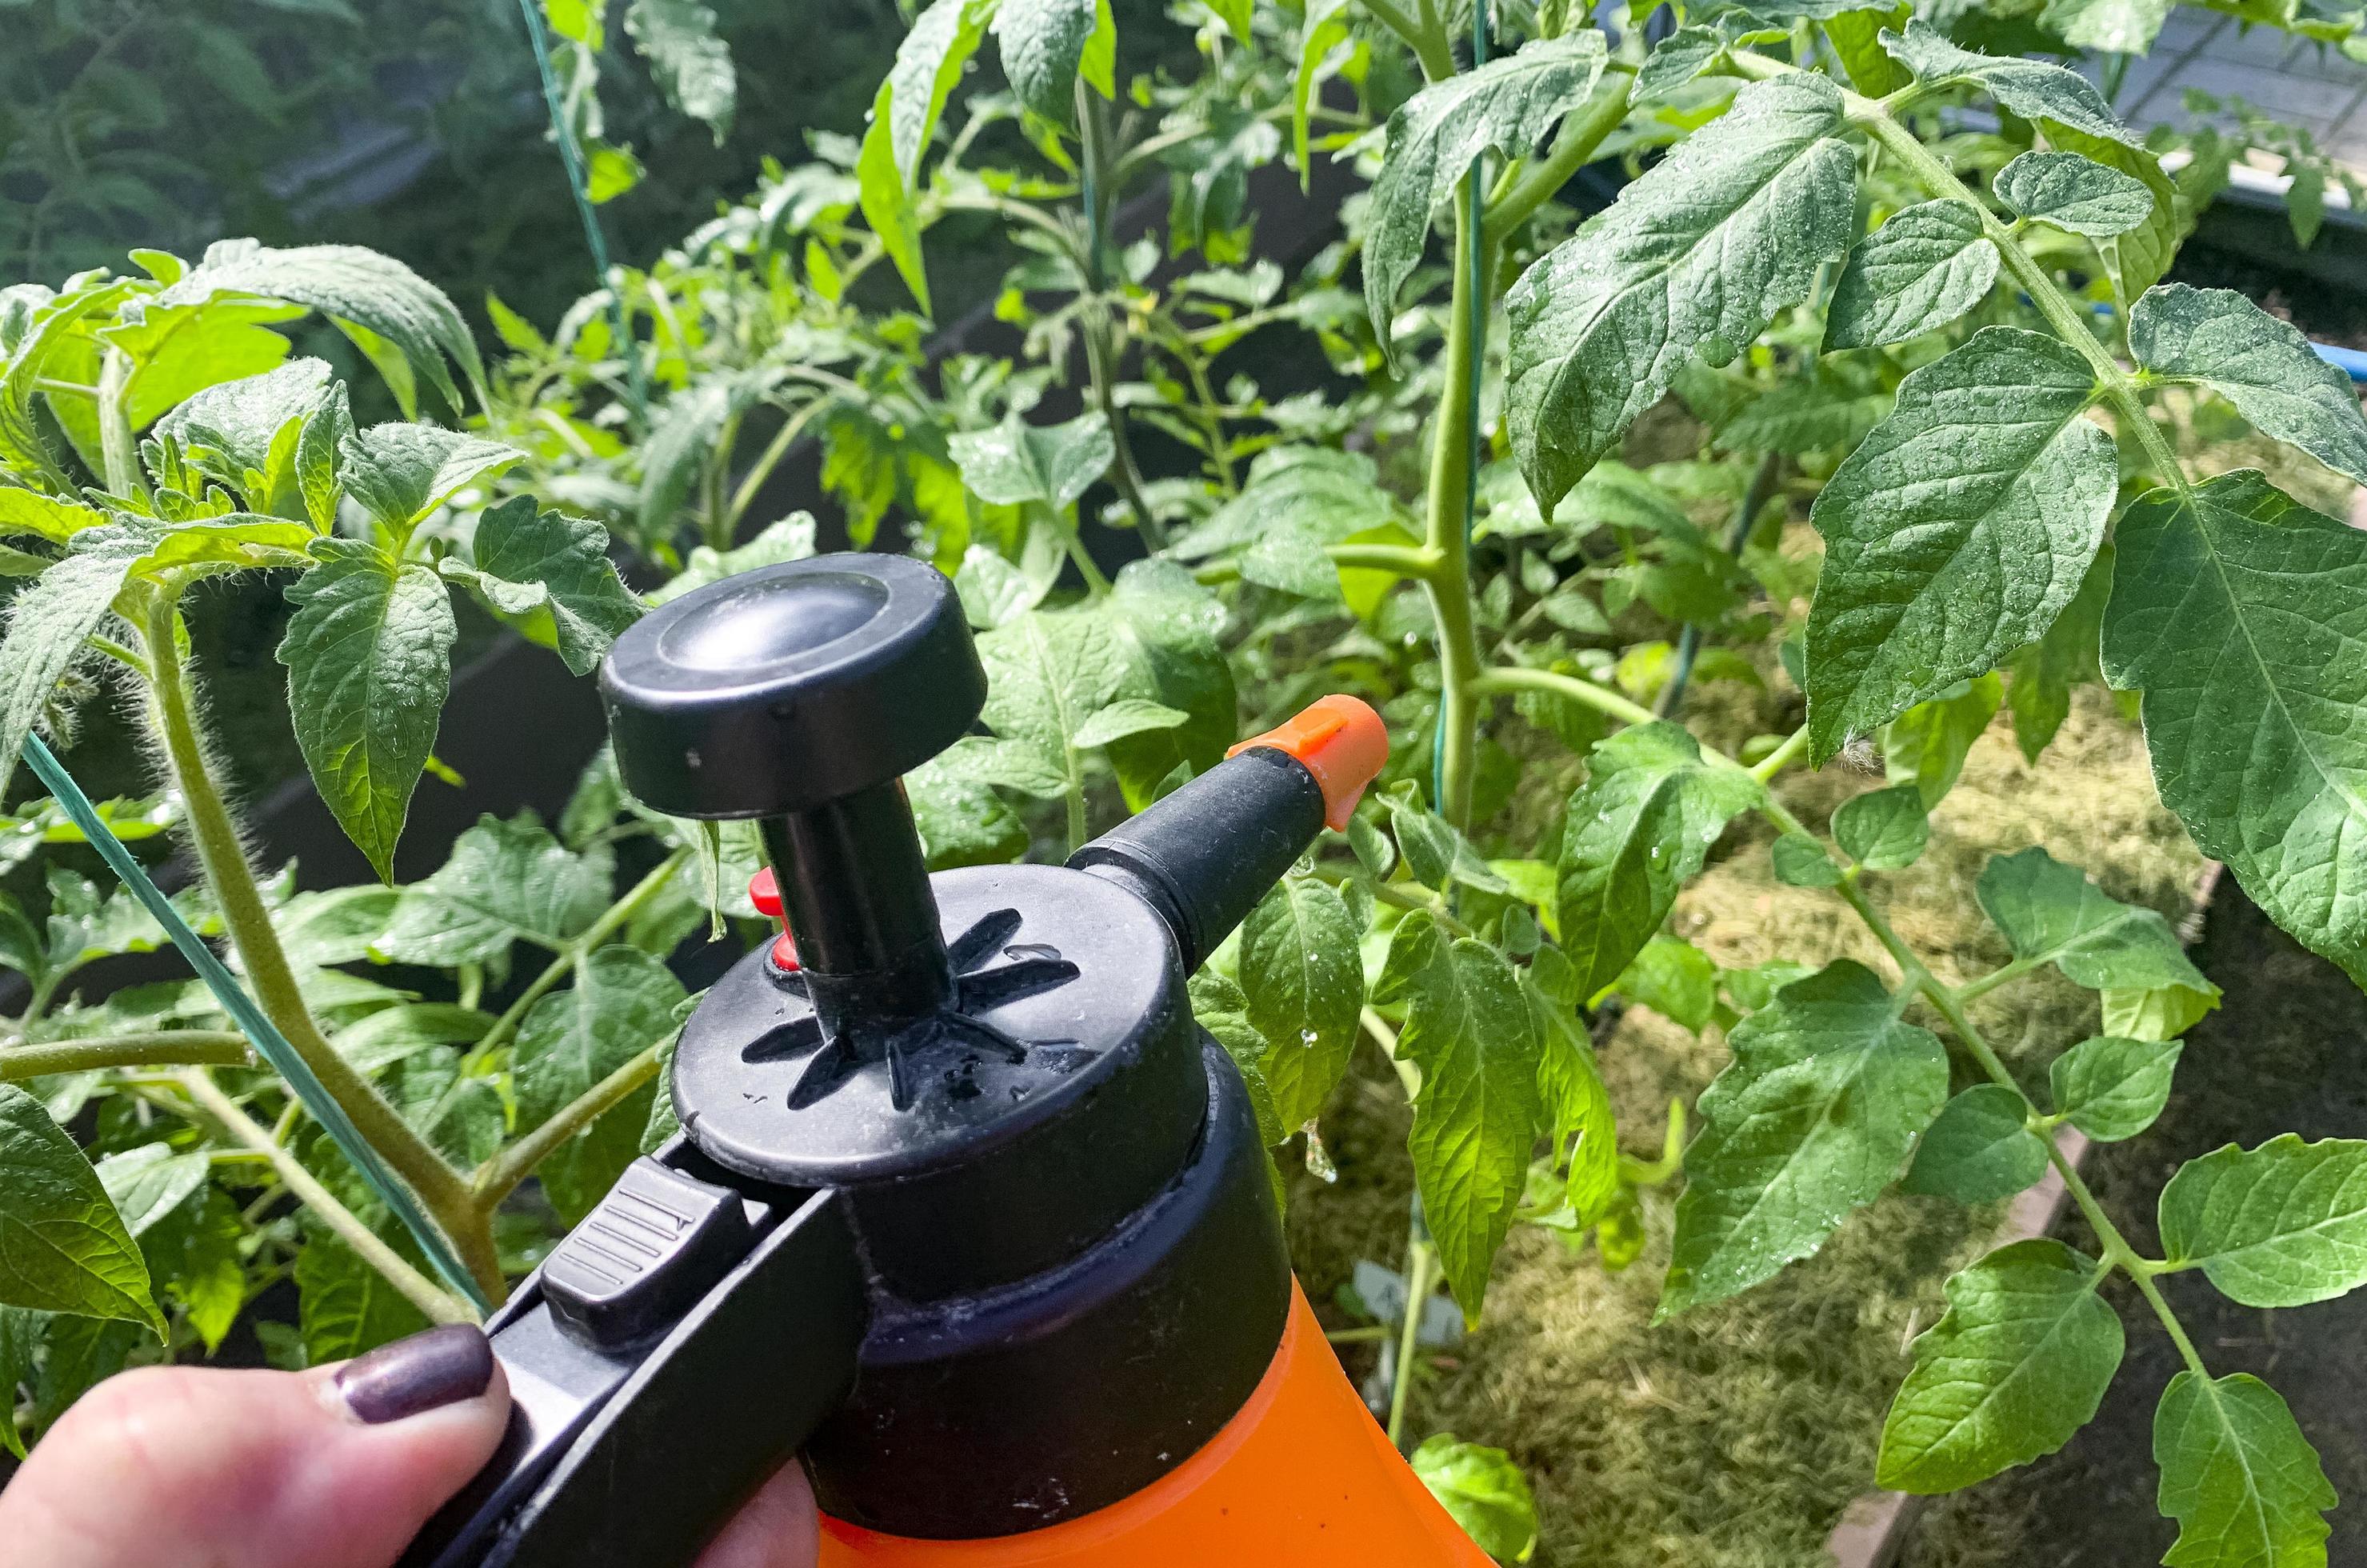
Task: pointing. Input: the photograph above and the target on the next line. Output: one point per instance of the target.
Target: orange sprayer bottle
(967, 1213)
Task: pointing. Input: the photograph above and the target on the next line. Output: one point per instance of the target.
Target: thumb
(181, 1467)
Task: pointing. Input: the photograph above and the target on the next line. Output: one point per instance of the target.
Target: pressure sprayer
(966, 1210)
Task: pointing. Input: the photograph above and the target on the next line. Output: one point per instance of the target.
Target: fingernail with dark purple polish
(436, 1366)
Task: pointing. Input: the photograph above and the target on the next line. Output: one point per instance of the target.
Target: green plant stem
(1782, 756)
(1573, 149)
(1949, 1001)
(1102, 352)
(714, 512)
(1417, 561)
(1511, 680)
(499, 1175)
(441, 1189)
(119, 448)
(769, 459)
(1371, 1334)
(162, 1048)
(611, 921)
(440, 1305)
(1408, 895)
(1425, 37)
(1448, 536)
(1419, 1254)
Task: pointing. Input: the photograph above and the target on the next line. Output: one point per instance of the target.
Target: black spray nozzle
(1204, 855)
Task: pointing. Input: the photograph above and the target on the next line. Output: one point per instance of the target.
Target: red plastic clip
(764, 892)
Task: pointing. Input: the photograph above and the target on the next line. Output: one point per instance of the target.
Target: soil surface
(2287, 1052)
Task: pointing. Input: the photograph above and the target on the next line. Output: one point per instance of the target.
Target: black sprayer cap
(783, 687)
(978, 1105)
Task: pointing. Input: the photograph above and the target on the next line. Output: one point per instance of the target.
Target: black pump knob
(790, 685)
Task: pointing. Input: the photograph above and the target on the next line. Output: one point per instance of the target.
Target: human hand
(338, 1467)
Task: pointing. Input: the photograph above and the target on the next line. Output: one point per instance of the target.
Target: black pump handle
(619, 1454)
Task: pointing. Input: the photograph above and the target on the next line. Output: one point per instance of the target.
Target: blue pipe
(2352, 362)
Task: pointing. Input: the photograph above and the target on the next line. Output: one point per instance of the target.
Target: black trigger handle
(674, 1350)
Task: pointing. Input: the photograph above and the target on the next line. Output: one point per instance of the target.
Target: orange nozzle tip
(1340, 741)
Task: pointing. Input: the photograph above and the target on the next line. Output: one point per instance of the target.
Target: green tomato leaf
(345, 1307)
(1824, 1100)
(1577, 1103)
(63, 1248)
(2111, 1088)
(550, 576)
(2044, 675)
(689, 59)
(2033, 89)
(46, 516)
(1639, 829)
(1926, 746)
(1485, 1492)
(2019, 1363)
(2050, 912)
(2281, 1225)
(1677, 60)
(1919, 271)
(2237, 612)
(1856, 37)
(2242, 1483)
(1505, 106)
(147, 1183)
(2163, 1013)
(48, 621)
(2263, 366)
(1700, 252)
(369, 662)
(1165, 626)
(1674, 979)
(506, 881)
(1302, 978)
(1129, 716)
(319, 446)
(887, 197)
(2107, 27)
(356, 288)
(1046, 672)
(1801, 862)
(1884, 830)
(245, 433)
(1047, 44)
(2074, 193)
(623, 1002)
(1979, 1150)
(928, 63)
(1477, 1118)
(1957, 532)
(2136, 258)
(401, 472)
(1016, 462)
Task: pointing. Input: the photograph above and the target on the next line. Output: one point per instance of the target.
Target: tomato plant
(1850, 395)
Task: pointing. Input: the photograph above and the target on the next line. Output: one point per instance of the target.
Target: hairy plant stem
(499, 1175)
(611, 921)
(440, 1305)
(173, 713)
(1572, 150)
(161, 1048)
